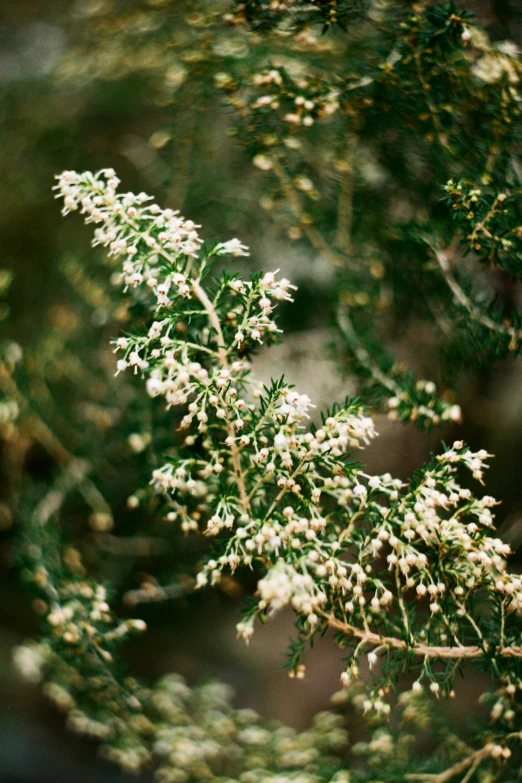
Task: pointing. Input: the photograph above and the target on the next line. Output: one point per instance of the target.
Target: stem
(423, 650)
(402, 606)
(462, 298)
(481, 226)
(375, 372)
(426, 87)
(151, 593)
(74, 474)
(39, 431)
(283, 491)
(345, 204)
(201, 295)
(315, 238)
(472, 760)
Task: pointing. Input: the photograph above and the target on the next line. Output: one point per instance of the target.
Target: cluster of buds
(421, 403)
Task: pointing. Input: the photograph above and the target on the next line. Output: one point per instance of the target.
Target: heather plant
(385, 137)
(368, 556)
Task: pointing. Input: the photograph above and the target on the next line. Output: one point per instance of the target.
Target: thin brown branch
(73, 476)
(472, 761)
(423, 650)
(135, 546)
(36, 429)
(152, 593)
(481, 225)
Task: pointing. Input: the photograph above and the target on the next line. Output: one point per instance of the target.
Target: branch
(366, 361)
(423, 650)
(472, 760)
(345, 203)
(151, 593)
(443, 260)
(426, 87)
(315, 238)
(39, 431)
(73, 475)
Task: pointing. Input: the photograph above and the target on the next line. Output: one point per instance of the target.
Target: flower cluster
(489, 221)
(182, 732)
(276, 114)
(271, 489)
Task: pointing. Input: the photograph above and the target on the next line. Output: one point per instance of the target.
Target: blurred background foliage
(132, 85)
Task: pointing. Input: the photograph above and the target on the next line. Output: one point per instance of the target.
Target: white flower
(276, 588)
(280, 441)
(155, 386)
(121, 366)
(360, 491)
(233, 248)
(245, 630)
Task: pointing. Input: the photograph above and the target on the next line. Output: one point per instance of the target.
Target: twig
(366, 361)
(73, 475)
(470, 761)
(463, 299)
(135, 546)
(426, 87)
(481, 225)
(345, 205)
(315, 238)
(39, 431)
(424, 650)
(151, 593)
